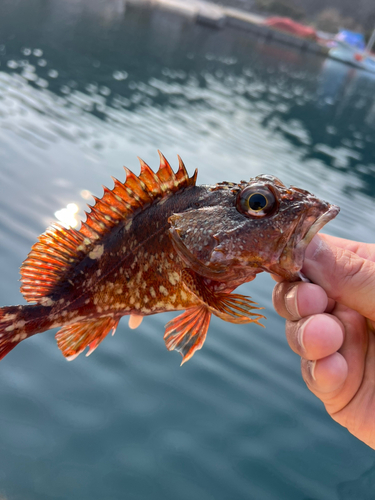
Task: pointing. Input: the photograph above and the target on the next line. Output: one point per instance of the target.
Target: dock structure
(219, 17)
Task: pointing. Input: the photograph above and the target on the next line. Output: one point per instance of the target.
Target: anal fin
(187, 332)
(73, 339)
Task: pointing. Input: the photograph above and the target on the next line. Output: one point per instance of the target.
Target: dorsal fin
(59, 249)
(55, 251)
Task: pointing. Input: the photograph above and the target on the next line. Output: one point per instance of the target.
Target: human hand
(331, 325)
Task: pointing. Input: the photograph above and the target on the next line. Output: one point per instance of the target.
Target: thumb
(345, 277)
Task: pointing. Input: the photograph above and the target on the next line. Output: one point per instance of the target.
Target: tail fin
(20, 322)
(9, 335)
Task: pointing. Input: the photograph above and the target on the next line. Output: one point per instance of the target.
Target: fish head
(260, 225)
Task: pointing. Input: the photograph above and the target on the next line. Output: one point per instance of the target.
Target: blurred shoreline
(220, 16)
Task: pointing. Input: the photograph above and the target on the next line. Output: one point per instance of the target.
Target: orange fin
(187, 333)
(73, 339)
(234, 308)
(47, 262)
(58, 249)
(134, 321)
(135, 194)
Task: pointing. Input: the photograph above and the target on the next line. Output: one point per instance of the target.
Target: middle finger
(315, 337)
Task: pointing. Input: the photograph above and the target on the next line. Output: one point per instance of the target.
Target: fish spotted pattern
(156, 243)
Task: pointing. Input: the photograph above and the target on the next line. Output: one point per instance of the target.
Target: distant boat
(350, 49)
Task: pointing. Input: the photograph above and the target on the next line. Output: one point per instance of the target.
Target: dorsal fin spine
(183, 175)
(143, 186)
(116, 195)
(193, 179)
(103, 207)
(133, 195)
(100, 216)
(116, 211)
(89, 232)
(93, 223)
(149, 177)
(121, 190)
(58, 249)
(114, 202)
(134, 186)
(165, 172)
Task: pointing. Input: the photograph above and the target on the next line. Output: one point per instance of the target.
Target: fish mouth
(317, 226)
(300, 248)
(293, 255)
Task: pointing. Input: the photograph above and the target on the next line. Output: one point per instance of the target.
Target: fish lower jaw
(291, 259)
(300, 248)
(317, 225)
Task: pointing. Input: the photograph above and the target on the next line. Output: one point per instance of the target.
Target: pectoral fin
(187, 333)
(234, 308)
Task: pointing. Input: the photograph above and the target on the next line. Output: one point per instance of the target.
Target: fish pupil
(257, 201)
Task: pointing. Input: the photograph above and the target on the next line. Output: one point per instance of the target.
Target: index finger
(294, 301)
(345, 276)
(364, 250)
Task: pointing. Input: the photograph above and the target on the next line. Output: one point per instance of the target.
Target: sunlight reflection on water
(83, 92)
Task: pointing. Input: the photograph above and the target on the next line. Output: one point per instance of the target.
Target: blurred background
(85, 88)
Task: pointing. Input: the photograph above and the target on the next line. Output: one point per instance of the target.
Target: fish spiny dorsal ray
(166, 174)
(59, 249)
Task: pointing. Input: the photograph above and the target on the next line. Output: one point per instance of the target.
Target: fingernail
(291, 302)
(301, 332)
(300, 338)
(311, 368)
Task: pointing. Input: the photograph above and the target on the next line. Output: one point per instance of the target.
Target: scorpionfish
(156, 243)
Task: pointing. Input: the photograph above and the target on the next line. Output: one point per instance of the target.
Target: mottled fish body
(160, 243)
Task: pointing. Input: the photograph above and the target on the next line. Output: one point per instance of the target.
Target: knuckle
(351, 264)
(352, 270)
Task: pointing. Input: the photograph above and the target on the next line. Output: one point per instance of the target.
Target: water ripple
(83, 92)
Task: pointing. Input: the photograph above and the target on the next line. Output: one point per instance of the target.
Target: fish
(159, 242)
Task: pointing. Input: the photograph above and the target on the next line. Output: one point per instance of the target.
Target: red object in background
(358, 57)
(290, 26)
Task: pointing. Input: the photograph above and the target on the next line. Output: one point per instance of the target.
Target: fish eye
(256, 201)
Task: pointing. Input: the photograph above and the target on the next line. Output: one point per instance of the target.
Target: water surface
(84, 90)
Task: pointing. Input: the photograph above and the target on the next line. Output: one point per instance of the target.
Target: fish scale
(156, 243)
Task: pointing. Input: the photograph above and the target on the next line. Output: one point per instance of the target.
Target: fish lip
(300, 248)
(321, 221)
